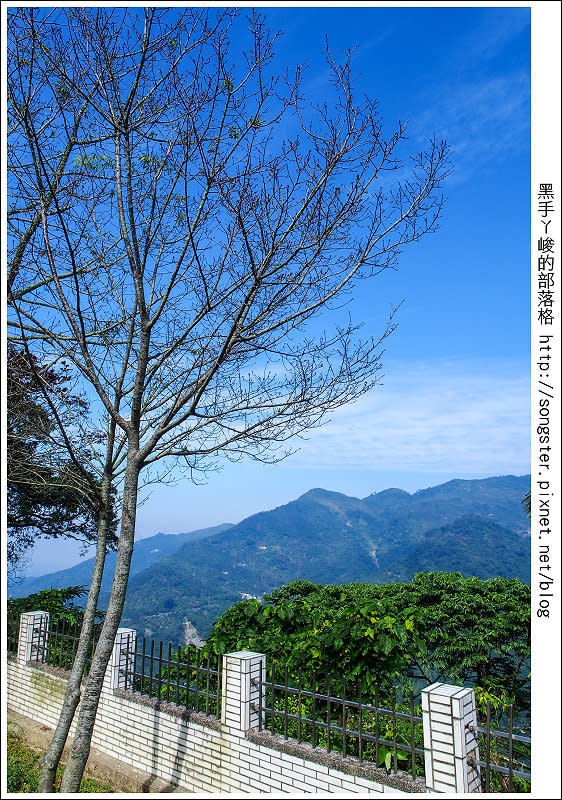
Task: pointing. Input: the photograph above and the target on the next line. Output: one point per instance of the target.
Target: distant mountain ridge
(477, 527)
(328, 537)
(146, 553)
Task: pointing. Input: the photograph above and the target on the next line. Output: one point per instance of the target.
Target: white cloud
(485, 121)
(453, 416)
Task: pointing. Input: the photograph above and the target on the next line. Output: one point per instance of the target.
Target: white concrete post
(240, 689)
(121, 665)
(450, 739)
(33, 636)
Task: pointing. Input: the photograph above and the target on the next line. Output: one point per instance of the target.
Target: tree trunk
(50, 760)
(80, 749)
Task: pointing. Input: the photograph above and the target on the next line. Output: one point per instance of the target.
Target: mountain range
(146, 553)
(180, 584)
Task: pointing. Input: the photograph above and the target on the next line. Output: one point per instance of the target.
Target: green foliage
(439, 626)
(152, 163)
(526, 503)
(94, 163)
(22, 772)
(58, 602)
(474, 630)
(322, 628)
(22, 769)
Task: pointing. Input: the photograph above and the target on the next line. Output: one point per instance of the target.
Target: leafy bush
(58, 602)
(65, 620)
(437, 627)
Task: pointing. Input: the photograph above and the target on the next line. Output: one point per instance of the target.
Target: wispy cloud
(452, 416)
(487, 41)
(482, 111)
(483, 121)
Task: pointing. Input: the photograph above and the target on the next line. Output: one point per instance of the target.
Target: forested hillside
(477, 527)
(147, 552)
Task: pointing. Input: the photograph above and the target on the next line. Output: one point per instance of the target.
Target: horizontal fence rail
(189, 676)
(387, 731)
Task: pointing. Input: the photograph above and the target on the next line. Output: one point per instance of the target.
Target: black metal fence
(189, 676)
(505, 755)
(383, 726)
(58, 645)
(380, 725)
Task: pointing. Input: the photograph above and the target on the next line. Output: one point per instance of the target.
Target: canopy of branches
(180, 211)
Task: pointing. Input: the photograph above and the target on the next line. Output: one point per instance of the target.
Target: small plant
(22, 769)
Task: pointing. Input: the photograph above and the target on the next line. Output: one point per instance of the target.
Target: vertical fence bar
(160, 668)
(299, 723)
(208, 682)
(151, 667)
(197, 678)
(188, 680)
(328, 711)
(143, 668)
(510, 745)
(360, 721)
(314, 708)
(63, 638)
(344, 717)
(62, 629)
(273, 696)
(260, 698)
(377, 731)
(286, 704)
(219, 683)
(488, 743)
(178, 677)
(412, 735)
(169, 672)
(135, 664)
(394, 732)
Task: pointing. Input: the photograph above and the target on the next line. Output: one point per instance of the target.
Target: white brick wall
(180, 750)
(196, 752)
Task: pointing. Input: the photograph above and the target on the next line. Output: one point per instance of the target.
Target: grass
(22, 769)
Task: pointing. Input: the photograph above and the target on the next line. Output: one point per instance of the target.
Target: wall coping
(350, 765)
(180, 712)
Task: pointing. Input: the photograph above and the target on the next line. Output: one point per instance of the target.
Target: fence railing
(391, 727)
(382, 727)
(505, 756)
(58, 645)
(189, 676)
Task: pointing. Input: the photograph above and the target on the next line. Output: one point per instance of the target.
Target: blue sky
(455, 397)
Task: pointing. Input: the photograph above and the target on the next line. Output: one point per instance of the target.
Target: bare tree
(42, 115)
(210, 212)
